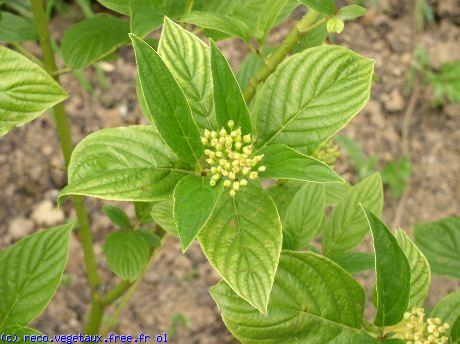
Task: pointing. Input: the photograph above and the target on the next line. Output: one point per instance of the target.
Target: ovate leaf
(331, 85)
(92, 39)
(304, 216)
(194, 202)
(351, 12)
(242, 241)
(348, 225)
(420, 270)
(162, 214)
(322, 6)
(313, 301)
(440, 243)
(188, 58)
(120, 6)
(335, 192)
(125, 164)
(448, 310)
(31, 271)
(117, 216)
(393, 274)
(228, 100)
(127, 253)
(168, 108)
(283, 162)
(26, 90)
(14, 28)
(354, 262)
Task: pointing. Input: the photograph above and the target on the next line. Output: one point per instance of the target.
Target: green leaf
(282, 162)
(194, 201)
(448, 310)
(166, 102)
(446, 83)
(31, 272)
(440, 243)
(117, 216)
(127, 253)
(351, 12)
(124, 164)
(348, 225)
(120, 6)
(228, 100)
(92, 39)
(20, 332)
(282, 193)
(313, 301)
(304, 216)
(396, 175)
(420, 270)
(242, 241)
(188, 58)
(393, 274)
(162, 213)
(26, 90)
(220, 22)
(14, 28)
(143, 210)
(322, 6)
(313, 38)
(354, 262)
(335, 192)
(333, 85)
(267, 19)
(247, 68)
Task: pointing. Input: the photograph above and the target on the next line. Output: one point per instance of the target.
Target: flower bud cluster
(229, 155)
(419, 332)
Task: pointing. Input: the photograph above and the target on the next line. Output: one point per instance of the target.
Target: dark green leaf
(117, 216)
(267, 19)
(14, 28)
(448, 310)
(354, 262)
(162, 213)
(446, 83)
(120, 6)
(322, 6)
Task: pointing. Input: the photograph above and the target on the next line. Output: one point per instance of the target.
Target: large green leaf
(322, 6)
(14, 28)
(162, 214)
(92, 39)
(228, 100)
(120, 6)
(26, 90)
(448, 310)
(335, 192)
(440, 242)
(313, 301)
(242, 241)
(348, 225)
(117, 216)
(166, 102)
(303, 216)
(194, 202)
(354, 262)
(125, 164)
(31, 272)
(127, 253)
(420, 270)
(188, 58)
(282, 162)
(393, 274)
(311, 96)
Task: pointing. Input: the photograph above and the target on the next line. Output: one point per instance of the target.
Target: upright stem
(302, 27)
(63, 129)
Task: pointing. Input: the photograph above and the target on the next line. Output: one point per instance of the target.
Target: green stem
(63, 129)
(305, 25)
(116, 293)
(95, 316)
(189, 6)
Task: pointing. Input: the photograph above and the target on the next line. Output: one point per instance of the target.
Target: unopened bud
(231, 124)
(247, 138)
(261, 168)
(232, 193)
(227, 183)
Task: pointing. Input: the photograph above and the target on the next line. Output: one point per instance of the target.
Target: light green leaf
(124, 164)
(393, 274)
(282, 193)
(354, 262)
(228, 100)
(242, 241)
(127, 253)
(311, 96)
(31, 272)
(166, 102)
(26, 90)
(448, 310)
(420, 270)
(351, 12)
(348, 225)
(283, 162)
(440, 243)
(219, 22)
(313, 301)
(322, 6)
(162, 214)
(117, 216)
(188, 58)
(267, 19)
(335, 192)
(194, 201)
(92, 39)
(304, 216)
(14, 28)
(120, 6)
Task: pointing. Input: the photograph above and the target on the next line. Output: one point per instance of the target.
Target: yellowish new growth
(229, 157)
(419, 332)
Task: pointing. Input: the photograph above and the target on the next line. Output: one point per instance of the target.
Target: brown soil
(31, 171)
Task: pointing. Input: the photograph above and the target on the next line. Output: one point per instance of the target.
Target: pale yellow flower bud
(243, 182)
(238, 145)
(204, 140)
(231, 124)
(247, 138)
(253, 175)
(212, 182)
(231, 175)
(247, 150)
(236, 186)
(227, 183)
(214, 170)
(213, 134)
(219, 154)
(210, 161)
(232, 193)
(246, 170)
(261, 168)
(223, 132)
